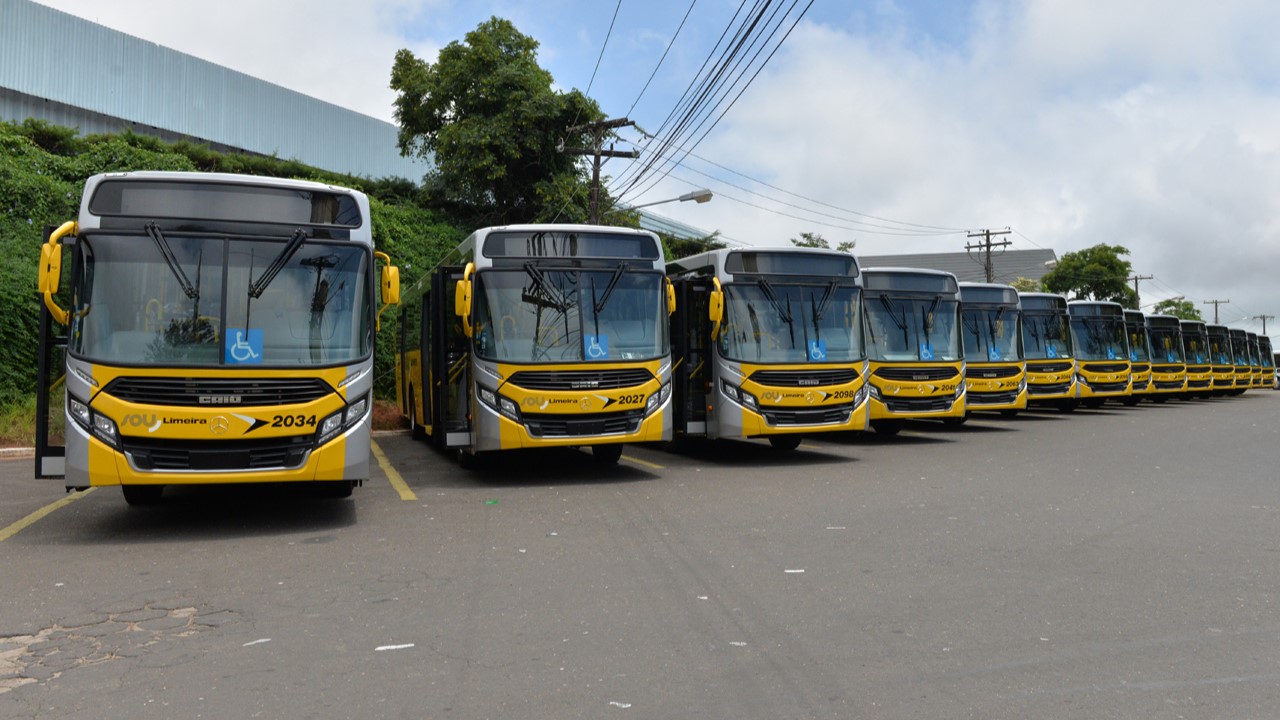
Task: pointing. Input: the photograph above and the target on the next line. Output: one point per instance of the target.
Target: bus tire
(886, 427)
(1067, 406)
(142, 495)
(468, 460)
(334, 489)
(1093, 403)
(1131, 401)
(785, 443)
(1008, 413)
(956, 420)
(607, 454)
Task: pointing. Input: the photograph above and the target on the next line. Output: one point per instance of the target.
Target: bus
(1240, 360)
(916, 360)
(1255, 361)
(539, 336)
(1135, 324)
(1199, 359)
(1102, 351)
(1222, 357)
(1049, 351)
(767, 344)
(219, 329)
(995, 369)
(1168, 361)
(1268, 362)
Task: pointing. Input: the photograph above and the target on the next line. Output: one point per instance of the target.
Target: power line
(600, 57)
(987, 244)
(663, 58)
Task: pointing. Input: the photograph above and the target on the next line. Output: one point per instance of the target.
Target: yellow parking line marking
(31, 519)
(645, 463)
(397, 482)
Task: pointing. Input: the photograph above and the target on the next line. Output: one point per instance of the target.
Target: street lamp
(700, 195)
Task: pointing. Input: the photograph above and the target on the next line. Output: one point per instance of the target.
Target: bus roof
(910, 280)
(973, 293)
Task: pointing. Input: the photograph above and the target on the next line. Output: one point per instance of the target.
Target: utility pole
(1264, 319)
(1215, 304)
(987, 245)
(1136, 296)
(598, 131)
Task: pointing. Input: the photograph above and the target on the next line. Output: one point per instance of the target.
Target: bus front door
(450, 364)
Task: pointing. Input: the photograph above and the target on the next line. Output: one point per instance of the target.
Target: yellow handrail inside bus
(50, 276)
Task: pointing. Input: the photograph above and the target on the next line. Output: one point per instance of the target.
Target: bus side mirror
(671, 297)
(462, 298)
(390, 285)
(50, 275)
(715, 308)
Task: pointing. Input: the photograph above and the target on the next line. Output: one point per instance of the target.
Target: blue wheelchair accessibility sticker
(1049, 352)
(1111, 353)
(818, 350)
(993, 353)
(242, 347)
(1133, 355)
(595, 347)
(926, 351)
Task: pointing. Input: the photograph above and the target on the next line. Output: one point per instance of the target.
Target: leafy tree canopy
(815, 240)
(1023, 284)
(1179, 308)
(486, 115)
(1095, 273)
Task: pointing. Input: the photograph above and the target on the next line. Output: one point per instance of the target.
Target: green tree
(1179, 308)
(1023, 284)
(815, 240)
(1095, 273)
(486, 115)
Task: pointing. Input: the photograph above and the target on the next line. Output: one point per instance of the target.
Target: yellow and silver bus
(220, 329)
(1268, 362)
(537, 336)
(768, 344)
(912, 322)
(1049, 351)
(1240, 359)
(1135, 324)
(991, 327)
(1168, 362)
(1255, 362)
(1224, 369)
(1102, 351)
(1196, 351)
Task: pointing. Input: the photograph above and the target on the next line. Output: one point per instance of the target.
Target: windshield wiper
(608, 289)
(821, 308)
(256, 289)
(900, 322)
(772, 297)
(167, 252)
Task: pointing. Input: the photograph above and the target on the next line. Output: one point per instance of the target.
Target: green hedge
(42, 172)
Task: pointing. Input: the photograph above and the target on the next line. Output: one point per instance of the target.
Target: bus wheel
(785, 442)
(1067, 406)
(468, 460)
(886, 427)
(956, 420)
(142, 495)
(1093, 403)
(1008, 413)
(606, 454)
(1131, 401)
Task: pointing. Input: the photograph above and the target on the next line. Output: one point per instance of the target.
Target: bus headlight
(655, 400)
(861, 395)
(341, 420)
(502, 405)
(874, 391)
(740, 396)
(100, 426)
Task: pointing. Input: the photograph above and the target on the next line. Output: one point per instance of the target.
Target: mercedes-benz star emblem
(219, 425)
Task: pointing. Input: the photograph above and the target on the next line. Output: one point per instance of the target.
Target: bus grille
(579, 379)
(984, 373)
(834, 415)
(1140, 368)
(939, 404)
(1168, 385)
(991, 398)
(217, 392)
(916, 374)
(1197, 384)
(1049, 367)
(803, 378)
(218, 456)
(1108, 387)
(1054, 389)
(1105, 367)
(1166, 369)
(583, 425)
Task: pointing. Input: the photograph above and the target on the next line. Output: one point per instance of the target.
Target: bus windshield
(990, 334)
(540, 314)
(1197, 350)
(186, 300)
(1099, 338)
(1045, 337)
(767, 321)
(1166, 345)
(1138, 343)
(912, 328)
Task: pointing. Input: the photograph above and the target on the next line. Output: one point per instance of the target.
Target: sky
(900, 125)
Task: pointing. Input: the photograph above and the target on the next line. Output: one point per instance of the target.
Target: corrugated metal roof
(1008, 265)
(50, 55)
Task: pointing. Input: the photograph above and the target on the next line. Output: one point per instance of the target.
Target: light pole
(700, 195)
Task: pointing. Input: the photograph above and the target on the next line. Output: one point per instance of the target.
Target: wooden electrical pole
(1264, 319)
(986, 246)
(598, 131)
(1136, 297)
(1215, 304)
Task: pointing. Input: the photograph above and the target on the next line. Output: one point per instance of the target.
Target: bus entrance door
(51, 452)
(692, 350)
(450, 364)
